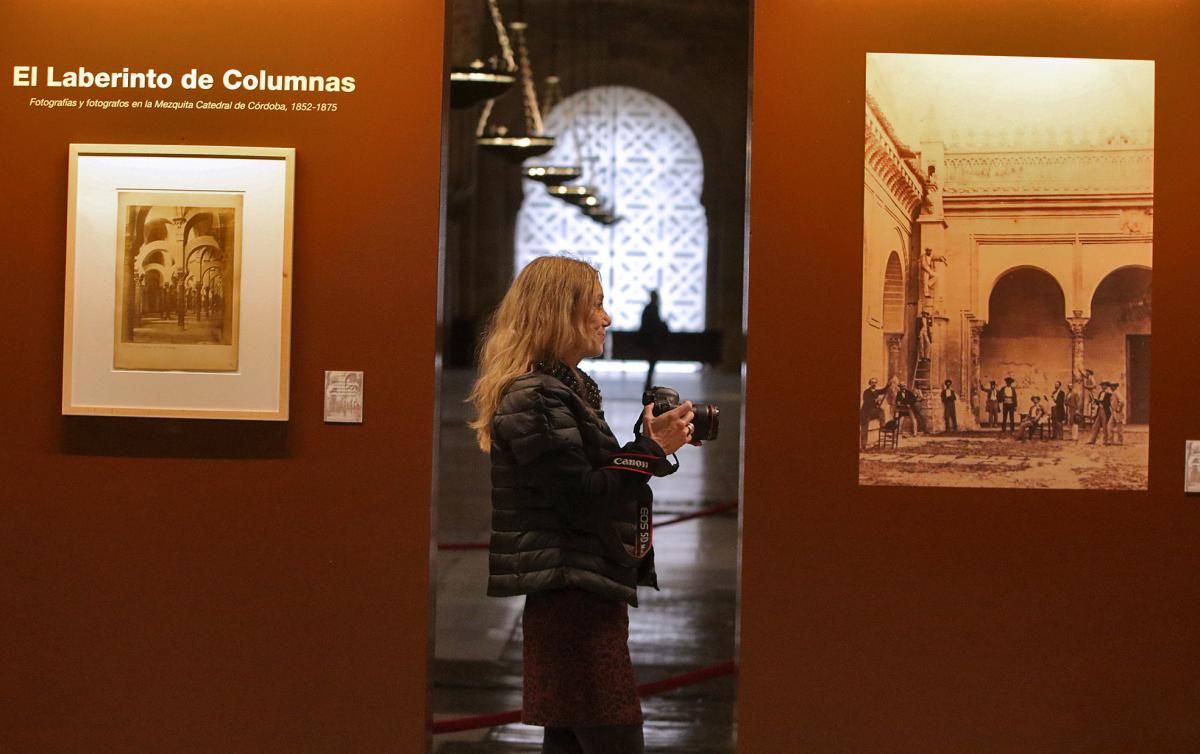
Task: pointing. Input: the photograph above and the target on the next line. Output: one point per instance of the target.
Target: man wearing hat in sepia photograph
(949, 399)
(1103, 403)
(1116, 421)
(1032, 420)
(1008, 405)
(869, 411)
(992, 402)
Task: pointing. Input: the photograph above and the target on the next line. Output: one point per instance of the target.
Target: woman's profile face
(596, 324)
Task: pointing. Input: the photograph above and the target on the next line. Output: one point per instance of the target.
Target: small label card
(344, 397)
(1191, 478)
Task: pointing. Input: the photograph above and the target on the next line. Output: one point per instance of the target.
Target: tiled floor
(686, 625)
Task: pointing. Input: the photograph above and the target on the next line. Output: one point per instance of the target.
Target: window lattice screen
(647, 163)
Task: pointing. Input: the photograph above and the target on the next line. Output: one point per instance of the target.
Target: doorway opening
(1137, 354)
(673, 168)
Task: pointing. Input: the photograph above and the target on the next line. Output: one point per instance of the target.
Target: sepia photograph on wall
(1191, 481)
(1007, 253)
(343, 397)
(177, 292)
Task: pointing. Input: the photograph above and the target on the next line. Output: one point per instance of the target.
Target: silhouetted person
(652, 335)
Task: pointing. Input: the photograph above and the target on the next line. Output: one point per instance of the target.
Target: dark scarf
(588, 390)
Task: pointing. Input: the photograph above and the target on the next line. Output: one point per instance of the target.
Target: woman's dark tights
(609, 739)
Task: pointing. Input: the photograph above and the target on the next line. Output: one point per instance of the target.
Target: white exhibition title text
(233, 80)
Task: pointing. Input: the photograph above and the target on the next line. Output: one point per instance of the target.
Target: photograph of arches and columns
(177, 301)
(1008, 213)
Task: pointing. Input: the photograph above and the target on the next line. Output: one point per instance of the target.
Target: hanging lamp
(472, 84)
(479, 81)
(588, 200)
(582, 195)
(553, 175)
(578, 196)
(586, 197)
(556, 174)
(496, 139)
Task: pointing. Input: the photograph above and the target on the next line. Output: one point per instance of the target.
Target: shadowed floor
(688, 624)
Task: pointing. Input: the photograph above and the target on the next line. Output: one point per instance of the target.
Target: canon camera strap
(639, 463)
(644, 539)
(645, 530)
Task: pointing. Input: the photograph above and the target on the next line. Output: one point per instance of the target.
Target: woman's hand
(671, 430)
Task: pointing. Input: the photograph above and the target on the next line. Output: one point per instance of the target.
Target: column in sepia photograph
(1007, 255)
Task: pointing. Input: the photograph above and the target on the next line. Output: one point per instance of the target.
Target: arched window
(646, 162)
(893, 296)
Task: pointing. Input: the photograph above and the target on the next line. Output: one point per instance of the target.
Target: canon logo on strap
(634, 463)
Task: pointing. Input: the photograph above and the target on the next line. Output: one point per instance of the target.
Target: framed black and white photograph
(178, 296)
(343, 397)
(1008, 227)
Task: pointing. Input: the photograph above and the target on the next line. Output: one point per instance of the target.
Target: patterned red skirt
(577, 668)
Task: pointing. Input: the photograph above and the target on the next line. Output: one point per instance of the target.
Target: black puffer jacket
(565, 496)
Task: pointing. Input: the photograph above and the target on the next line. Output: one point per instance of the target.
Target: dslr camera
(706, 422)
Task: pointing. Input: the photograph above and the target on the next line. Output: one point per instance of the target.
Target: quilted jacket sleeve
(567, 475)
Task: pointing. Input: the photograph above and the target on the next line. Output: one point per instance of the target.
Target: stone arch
(1018, 274)
(1064, 287)
(1116, 343)
(1090, 298)
(156, 256)
(1027, 336)
(199, 223)
(155, 229)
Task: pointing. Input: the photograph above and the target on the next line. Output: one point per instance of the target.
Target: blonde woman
(566, 501)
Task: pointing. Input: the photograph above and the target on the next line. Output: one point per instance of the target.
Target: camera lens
(707, 422)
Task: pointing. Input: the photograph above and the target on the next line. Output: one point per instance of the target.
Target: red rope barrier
(702, 513)
(688, 679)
(458, 725)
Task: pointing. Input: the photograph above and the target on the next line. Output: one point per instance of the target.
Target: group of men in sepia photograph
(1098, 407)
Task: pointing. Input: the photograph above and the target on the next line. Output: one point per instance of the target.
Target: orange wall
(949, 620)
(185, 586)
(191, 586)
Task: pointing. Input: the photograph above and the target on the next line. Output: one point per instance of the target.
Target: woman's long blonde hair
(544, 315)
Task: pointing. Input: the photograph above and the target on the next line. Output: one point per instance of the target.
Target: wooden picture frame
(178, 281)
